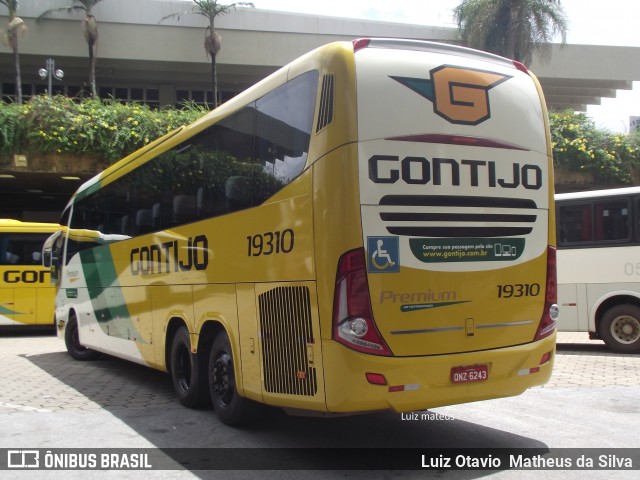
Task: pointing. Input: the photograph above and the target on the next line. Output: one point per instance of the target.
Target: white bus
(599, 265)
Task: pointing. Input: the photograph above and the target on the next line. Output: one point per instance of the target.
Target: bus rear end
(451, 297)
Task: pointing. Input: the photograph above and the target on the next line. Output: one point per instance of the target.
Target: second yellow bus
(26, 294)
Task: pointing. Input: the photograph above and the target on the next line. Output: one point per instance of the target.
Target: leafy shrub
(102, 130)
(579, 146)
(109, 131)
(10, 128)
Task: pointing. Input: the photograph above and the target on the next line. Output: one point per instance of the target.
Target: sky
(595, 22)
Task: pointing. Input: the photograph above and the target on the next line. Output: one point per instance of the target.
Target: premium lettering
(389, 296)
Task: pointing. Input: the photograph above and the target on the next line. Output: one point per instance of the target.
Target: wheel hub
(221, 378)
(626, 329)
(184, 369)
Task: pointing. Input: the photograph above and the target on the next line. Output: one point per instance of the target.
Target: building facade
(145, 57)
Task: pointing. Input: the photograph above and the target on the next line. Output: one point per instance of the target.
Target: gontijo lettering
(26, 276)
(174, 256)
(421, 171)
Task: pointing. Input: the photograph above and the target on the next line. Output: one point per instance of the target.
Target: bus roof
(610, 192)
(11, 225)
(428, 46)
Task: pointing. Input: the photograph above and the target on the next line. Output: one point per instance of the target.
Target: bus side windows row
(598, 222)
(237, 163)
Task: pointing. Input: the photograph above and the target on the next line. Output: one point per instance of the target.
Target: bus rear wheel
(72, 342)
(188, 371)
(620, 328)
(231, 408)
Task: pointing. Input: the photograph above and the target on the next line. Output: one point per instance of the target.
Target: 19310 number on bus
(270, 243)
(519, 290)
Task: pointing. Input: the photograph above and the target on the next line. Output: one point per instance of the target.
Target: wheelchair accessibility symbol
(383, 254)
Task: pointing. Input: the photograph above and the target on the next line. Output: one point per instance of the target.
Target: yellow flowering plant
(109, 130)
(106, 130)
(579, 146)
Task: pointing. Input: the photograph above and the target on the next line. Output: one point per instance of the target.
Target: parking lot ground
(49, 400)
(38, 375)
(584, 362)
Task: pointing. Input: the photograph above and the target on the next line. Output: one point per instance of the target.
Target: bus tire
(188, 371)
(231, 408)
(72, 342)
(620, 328)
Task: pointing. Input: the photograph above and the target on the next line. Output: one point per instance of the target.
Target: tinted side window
(284, 119)
(110, 211)
(611, 220)
(229, 164)
(574, 223)
(237, 163)
(146, 195)
(21, 248)
(119, 207)
(599, 222)
(89, 212)
(178, 176)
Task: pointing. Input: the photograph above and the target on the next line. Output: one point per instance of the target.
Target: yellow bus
(369, 228)
(26, 294)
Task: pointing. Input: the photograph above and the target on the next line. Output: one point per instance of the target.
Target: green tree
(104, 130)
(89, 30)
(210, 9)
(15, 29)
(579, 146)
(511, 28)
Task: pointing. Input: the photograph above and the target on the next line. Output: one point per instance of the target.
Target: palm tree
(89, 30)
(511, 28)
(212, 40)
(16, 28)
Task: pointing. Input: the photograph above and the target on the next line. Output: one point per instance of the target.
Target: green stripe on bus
(6, 311)
(107, 297)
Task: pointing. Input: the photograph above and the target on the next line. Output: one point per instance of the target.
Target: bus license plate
(469, 373)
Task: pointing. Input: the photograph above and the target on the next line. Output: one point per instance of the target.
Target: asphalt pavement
(50, 401)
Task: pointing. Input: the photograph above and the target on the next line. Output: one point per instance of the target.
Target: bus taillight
(360, 43)
(521, 66)
(551, 311)
(353, 323)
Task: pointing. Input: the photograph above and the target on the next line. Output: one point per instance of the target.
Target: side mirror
(46, 259)
(51, 255)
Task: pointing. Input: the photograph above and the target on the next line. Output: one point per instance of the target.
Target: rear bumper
(418, 383)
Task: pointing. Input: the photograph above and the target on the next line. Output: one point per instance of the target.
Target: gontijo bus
(368, 228)
(26, 294)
